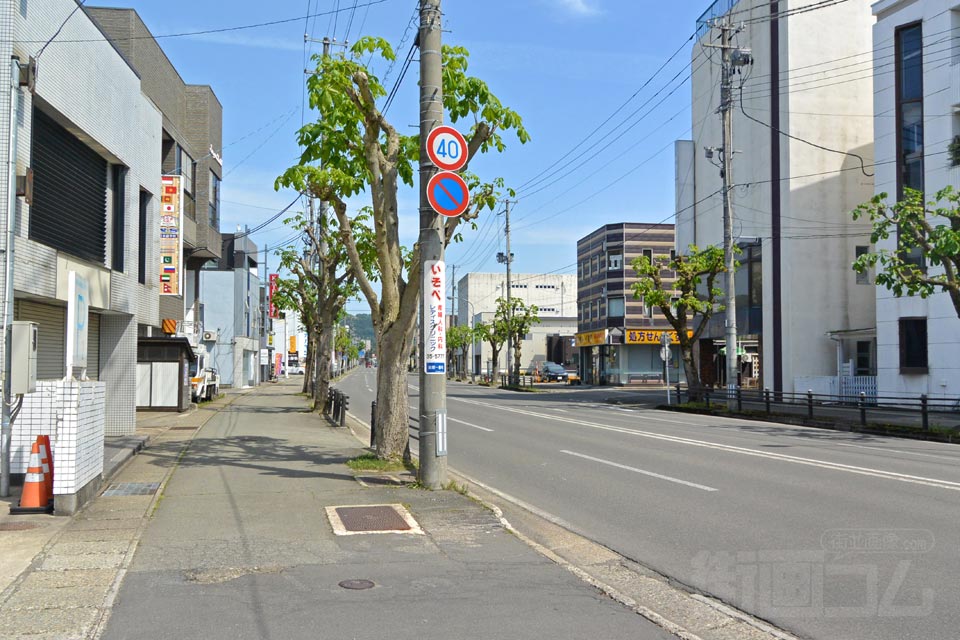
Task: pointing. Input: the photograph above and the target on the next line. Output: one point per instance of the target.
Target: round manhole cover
(356, 585)
(19, 526)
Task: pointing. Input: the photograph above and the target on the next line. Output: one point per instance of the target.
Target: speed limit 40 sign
(447, 148)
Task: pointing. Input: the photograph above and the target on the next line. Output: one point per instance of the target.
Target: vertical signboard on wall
(274, 278)
(435, 327)
(171, 236)
(78, 312)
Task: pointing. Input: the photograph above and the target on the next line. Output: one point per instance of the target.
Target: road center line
(641, 471)
(909, 453)
(781, 457)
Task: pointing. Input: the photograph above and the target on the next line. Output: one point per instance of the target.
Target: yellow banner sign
(650, 336)
(293, 344)
(591, 338)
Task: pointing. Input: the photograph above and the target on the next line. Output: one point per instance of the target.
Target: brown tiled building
(619, 335)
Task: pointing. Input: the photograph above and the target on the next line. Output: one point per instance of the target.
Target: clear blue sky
(564, 65)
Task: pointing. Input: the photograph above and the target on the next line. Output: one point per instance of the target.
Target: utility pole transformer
(433, 386)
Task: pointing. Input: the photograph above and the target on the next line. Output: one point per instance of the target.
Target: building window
(615, 261)
(596, 265)
(673, 255)
(865, 358)
(909, 99)
(214, 212)
(596, 310)
(118, 176)
(186, 167)
(615, 307)
(864, 277)
(142, 237)
(647, 309)
(913, 345)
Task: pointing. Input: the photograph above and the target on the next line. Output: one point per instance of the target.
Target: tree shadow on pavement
(270, 456)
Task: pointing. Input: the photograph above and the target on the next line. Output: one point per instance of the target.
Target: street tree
(688, 302)
(459, 339)
(518, 317)
(352, 149)
(323, 280)
(931, 229)
(493, 333)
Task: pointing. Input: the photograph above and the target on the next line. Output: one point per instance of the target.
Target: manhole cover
(19, 526)
(375, 518)
(132, 489)
(356, 585)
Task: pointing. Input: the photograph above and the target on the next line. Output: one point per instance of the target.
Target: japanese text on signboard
(434, 328)
(171, 240)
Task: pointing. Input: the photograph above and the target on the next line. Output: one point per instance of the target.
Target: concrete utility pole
(732, 57)
(508, 258)
(319, 224)
(433, 387)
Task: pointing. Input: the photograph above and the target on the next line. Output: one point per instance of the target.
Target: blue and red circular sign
(447, 148)
(448, 194)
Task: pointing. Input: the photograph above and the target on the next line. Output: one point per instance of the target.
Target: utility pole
(508, 258)
(320, 225)
(264, 344)
(733, 57)
(433, 387)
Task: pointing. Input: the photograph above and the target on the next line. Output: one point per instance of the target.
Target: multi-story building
(618, 335)
(916, 98)
(555, 298)
(85, 140)
(802, 161)
(191, 146)
(234, 312)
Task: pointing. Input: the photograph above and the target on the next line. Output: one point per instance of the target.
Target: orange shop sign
(650, 336)
(591, 338)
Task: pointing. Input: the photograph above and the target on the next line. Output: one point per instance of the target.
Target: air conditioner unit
(209, 336)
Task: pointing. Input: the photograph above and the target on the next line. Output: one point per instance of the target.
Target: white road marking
(475, 426)
(910, 453)
(641, 471)
(812, 462)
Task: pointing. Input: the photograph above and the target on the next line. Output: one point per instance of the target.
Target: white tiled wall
(72, 414)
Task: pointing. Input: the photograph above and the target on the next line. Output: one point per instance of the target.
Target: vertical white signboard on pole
(435, 328)
(78, 310)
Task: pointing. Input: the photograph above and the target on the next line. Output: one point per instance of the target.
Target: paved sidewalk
(240, 546)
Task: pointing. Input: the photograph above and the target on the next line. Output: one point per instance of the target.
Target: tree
(518, 318)
(494, 334)
(688, 303)
(353, 148)
(932, 227)
(459, 339)
(323, 282)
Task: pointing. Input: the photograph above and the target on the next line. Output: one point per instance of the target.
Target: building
(88, 170)
(553, 294)
(618, 336)
(191, 147)
(802, 161)
(233, 312)
(918, 340)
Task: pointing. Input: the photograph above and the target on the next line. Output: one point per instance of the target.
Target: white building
(918, 340)
(92, 142)
(801, 309)
(555, 296)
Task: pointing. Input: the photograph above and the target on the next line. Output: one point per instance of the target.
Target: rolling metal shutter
(69, 192)
(51, 349)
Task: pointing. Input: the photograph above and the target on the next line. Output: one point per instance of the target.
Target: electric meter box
(23, 354)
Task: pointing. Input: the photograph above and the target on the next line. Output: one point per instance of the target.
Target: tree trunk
(516, 360)
(310, 374)
(324, 345)
(393, 418)
(495, 364)
(307, 365)
(694, 386)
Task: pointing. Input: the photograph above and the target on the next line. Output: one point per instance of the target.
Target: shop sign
(591, 338)
(171, 239)
(651, 336)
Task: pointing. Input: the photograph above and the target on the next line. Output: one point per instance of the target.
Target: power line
(59, 29)
(396, 86)
(268, 220)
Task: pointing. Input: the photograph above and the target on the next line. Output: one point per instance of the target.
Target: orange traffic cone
(47, 463)
(34, 497)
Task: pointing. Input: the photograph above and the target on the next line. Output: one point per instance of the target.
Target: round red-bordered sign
(447, 148)
(448, 194)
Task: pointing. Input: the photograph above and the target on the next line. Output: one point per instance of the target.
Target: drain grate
(132, 489)
(375, 518)
(19, 526)
(183, 428)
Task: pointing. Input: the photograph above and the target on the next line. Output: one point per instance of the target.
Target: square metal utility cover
(132, 489)
(372, 518)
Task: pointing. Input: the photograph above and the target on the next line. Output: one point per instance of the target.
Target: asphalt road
(827, 534)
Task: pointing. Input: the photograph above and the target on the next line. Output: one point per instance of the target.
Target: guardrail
(857, 408)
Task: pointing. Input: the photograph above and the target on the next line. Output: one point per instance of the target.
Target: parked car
(552, 372)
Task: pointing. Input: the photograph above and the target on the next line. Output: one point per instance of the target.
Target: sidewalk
(264, 560)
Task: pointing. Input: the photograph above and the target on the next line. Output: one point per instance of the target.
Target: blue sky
(564, 65)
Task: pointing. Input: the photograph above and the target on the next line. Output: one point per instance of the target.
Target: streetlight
(473, 372)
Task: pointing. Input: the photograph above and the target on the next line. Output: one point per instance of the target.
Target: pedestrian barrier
(34, 498)
(338, 403)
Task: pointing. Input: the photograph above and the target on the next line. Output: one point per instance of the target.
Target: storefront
(615, 357)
